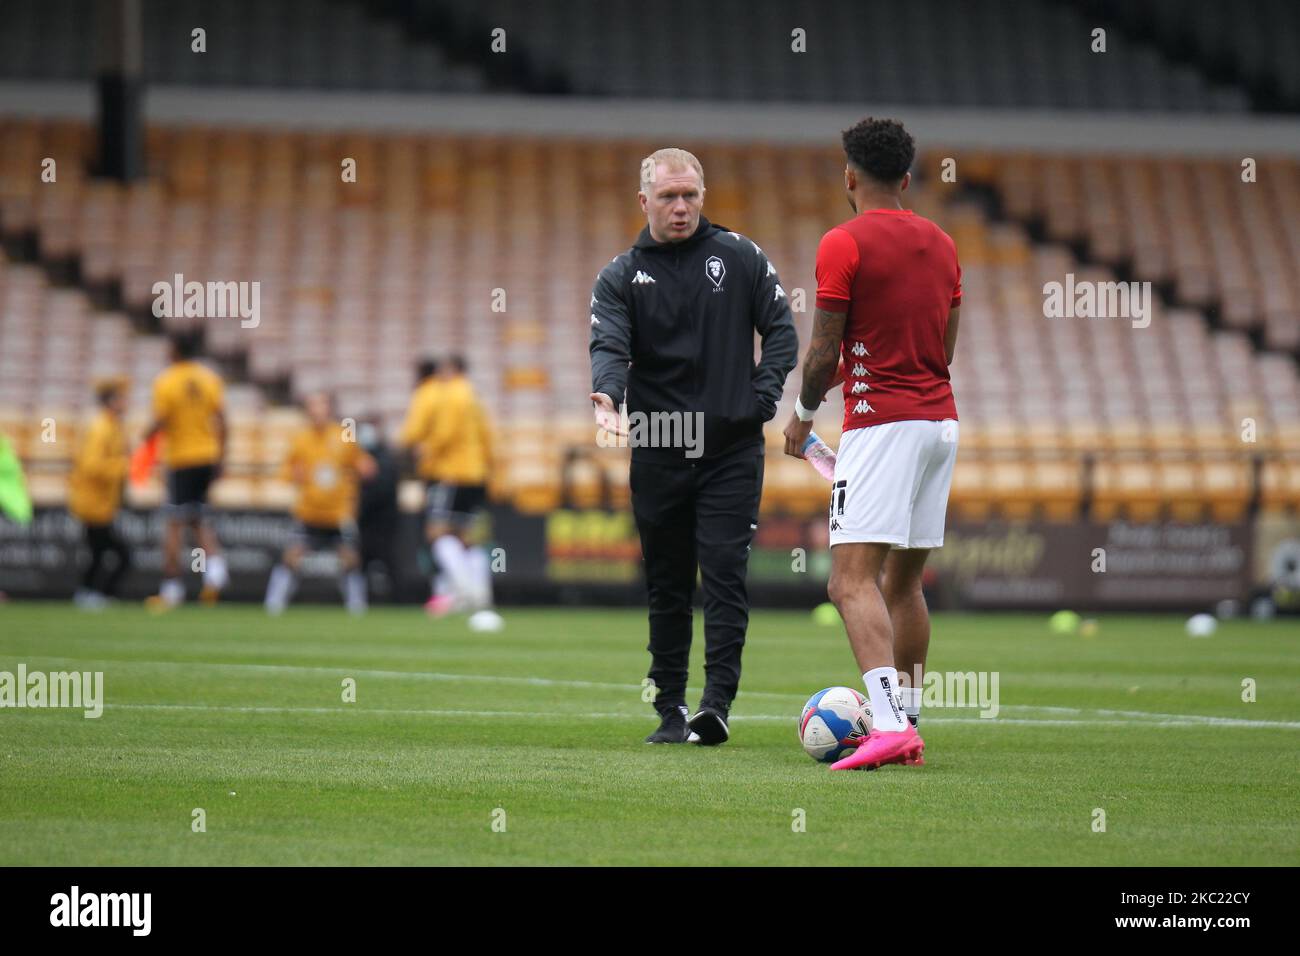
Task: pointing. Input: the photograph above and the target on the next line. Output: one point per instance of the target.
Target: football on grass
(833, 722)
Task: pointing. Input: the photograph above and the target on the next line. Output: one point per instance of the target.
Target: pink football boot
(440, 605)
(882, 747)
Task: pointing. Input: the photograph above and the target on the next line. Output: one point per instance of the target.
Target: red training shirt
(896, 275)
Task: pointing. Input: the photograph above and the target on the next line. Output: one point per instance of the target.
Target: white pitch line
(349, 709)
(342, 671)
(423, 712)
(1149, 718)
(1202, 719)
(1156, 720)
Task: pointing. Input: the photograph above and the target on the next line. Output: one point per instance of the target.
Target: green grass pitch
(539, 728)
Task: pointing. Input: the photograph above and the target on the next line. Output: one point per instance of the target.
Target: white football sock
(279, 589)
(882, 686)
(217, 574)
(172, 591)
(481, 569)
(912, 704)
(354, 592)
(451, 557)
(441, 585)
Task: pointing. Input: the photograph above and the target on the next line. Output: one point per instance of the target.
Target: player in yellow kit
(325, 463)
(188, 400)
(95, 494)
(415, 430)
(458, 442)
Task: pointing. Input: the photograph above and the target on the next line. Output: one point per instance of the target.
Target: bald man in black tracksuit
(672, 330)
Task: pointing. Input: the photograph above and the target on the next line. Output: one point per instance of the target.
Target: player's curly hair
(881, 148)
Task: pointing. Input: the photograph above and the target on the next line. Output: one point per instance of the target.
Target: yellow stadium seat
(1227, 487)
(47, 490)
(1279, 484)
(1180, 487)
(1008, 485)
(970, 495)
(1058, 487)
(232, 492)
(1128, 487)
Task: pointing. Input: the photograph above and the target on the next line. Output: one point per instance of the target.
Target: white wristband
(803, 413)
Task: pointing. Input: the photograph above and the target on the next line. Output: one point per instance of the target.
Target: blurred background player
(188, 413)
(458, 439)
(95, 495)
(378, 513)
(325, 463)
(413, 439)
(888, 300)
(15, 503)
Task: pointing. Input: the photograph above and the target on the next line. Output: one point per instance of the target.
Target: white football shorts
(891, 484)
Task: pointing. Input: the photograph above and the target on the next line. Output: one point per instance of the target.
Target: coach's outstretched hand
(796, 433)
(606, 414)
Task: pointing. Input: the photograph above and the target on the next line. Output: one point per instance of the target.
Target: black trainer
(672, 728)
(709, 726)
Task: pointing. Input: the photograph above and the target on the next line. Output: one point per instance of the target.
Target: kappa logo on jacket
(643, 278)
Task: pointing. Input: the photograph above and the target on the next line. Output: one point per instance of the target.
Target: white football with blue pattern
(833, 722)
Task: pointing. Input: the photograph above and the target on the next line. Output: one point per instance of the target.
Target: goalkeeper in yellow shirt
(325, 463)
(95, 494)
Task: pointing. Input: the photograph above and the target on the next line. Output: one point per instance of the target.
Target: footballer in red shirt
(888, 298)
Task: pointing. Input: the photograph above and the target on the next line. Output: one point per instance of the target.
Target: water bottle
(820, 455)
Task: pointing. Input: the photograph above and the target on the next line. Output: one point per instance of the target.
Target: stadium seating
(1195, 225)
(323, 44)
(1258, 48)
(997, 53)
(1007, 53)
(359, 279)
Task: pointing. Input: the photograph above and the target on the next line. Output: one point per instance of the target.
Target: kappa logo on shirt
(859, 369)
(643, 278)
(862, 408)
(860, 387)
(859, 349)
(739, 238)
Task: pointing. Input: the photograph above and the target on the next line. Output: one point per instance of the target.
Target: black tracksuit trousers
(104, 540)
(690, 514)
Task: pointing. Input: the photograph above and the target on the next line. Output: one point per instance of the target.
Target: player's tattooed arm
(822, 357)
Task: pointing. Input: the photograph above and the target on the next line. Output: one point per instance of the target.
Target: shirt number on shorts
(838, 492)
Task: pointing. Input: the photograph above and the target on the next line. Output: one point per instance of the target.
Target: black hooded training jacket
(672, 330)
